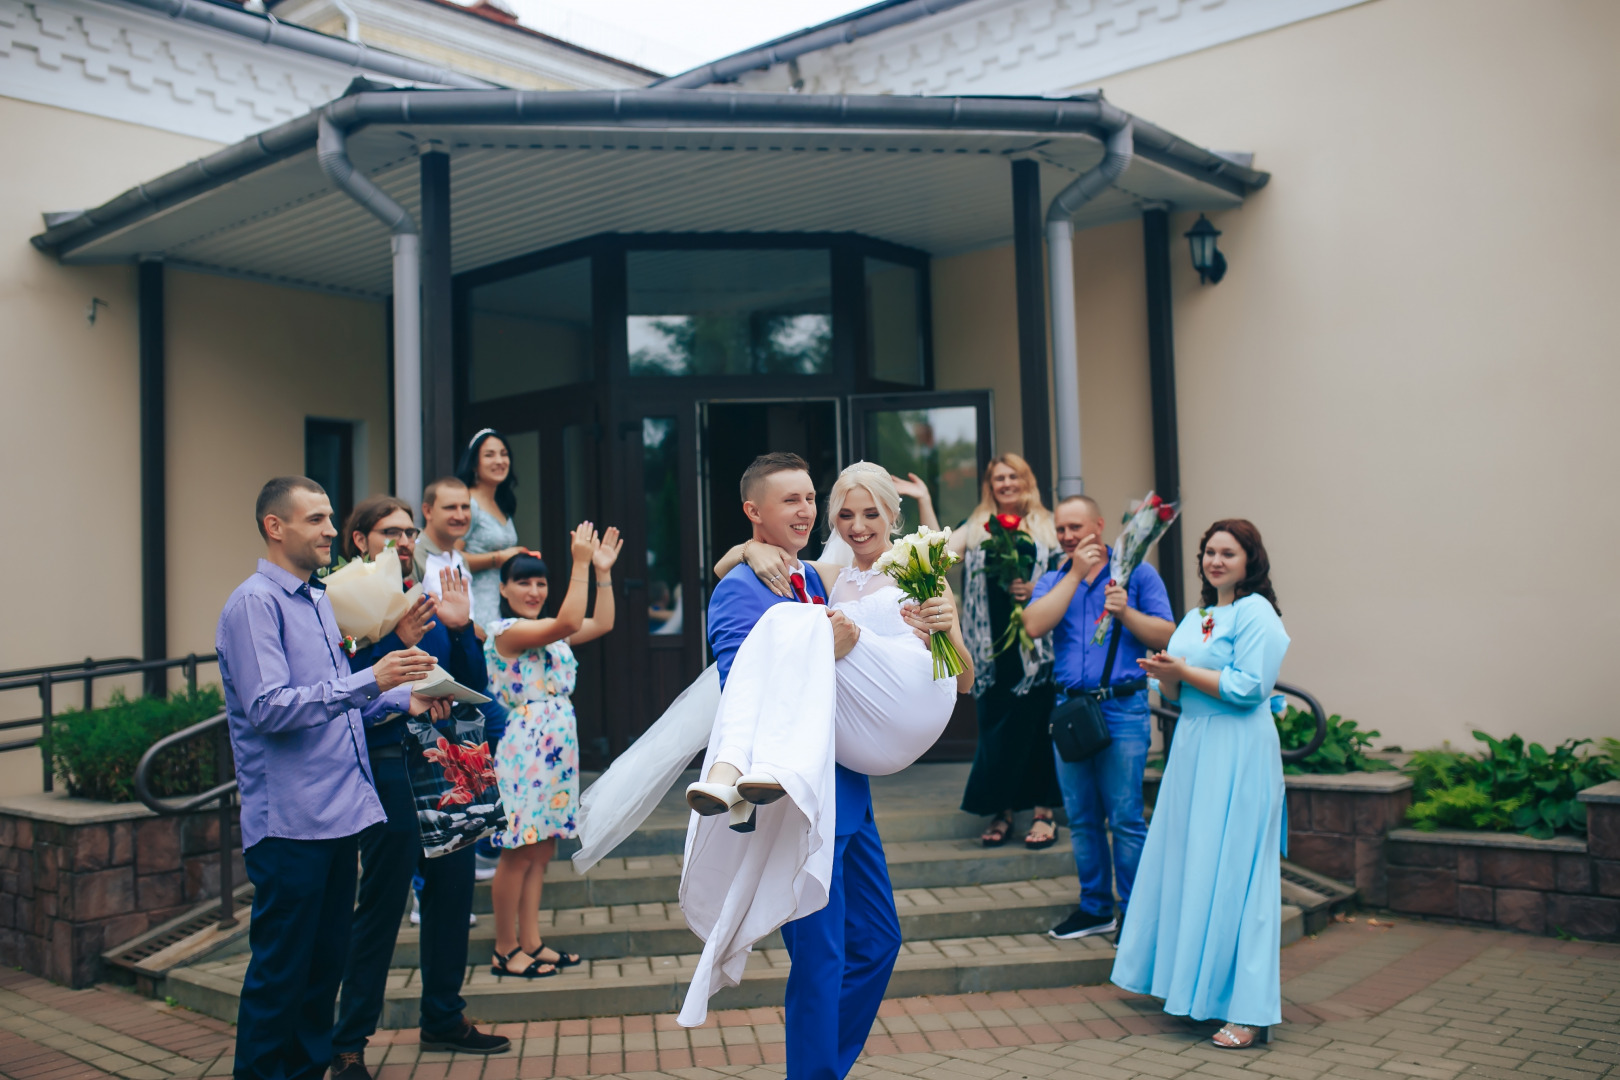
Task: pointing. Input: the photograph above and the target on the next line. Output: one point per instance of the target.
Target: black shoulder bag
(1079, 728)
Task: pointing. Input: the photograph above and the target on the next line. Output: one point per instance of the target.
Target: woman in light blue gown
(1202, 931)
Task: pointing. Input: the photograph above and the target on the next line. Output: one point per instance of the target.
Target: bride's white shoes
(711, 800)
(759, 788)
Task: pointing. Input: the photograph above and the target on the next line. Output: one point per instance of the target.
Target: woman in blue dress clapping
(1203, 928)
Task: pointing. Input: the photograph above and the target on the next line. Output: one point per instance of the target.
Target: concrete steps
(973, 920)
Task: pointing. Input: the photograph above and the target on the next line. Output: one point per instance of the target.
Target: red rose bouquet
(1009, 556)
(1151, 520)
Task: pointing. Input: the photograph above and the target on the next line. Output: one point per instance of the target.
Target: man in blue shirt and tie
(1105, 790)
(294, 713)
(843, 954)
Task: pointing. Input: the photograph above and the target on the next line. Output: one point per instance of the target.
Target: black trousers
(303, 898)
(390, 853)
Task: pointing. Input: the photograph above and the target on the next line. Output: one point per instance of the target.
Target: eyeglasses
(401, 534)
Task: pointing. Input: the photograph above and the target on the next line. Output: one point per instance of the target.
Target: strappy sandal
(1257, 1036)
(498, 967)
(564, 959)
(996, 835)
(1039, 843)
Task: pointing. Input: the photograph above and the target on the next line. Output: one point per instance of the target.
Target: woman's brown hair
(364, 518)
(1257, 581)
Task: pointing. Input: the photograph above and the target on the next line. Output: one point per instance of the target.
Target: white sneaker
(484, 867)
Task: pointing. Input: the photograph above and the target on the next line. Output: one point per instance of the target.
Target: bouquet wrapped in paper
(917, 563)
(1009, 556)
(1152, 520)
(368, 598)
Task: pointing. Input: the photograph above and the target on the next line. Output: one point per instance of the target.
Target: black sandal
(1042, 843)
(996, 835)
(564, 959)
(498, 967)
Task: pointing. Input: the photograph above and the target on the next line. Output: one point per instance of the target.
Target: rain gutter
(647, 109)
(839, 31)
(1060, 279)
(270, 31)
(331, 151)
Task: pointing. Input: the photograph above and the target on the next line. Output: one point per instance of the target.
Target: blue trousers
(1100, 795)
(390, 852)
(842, 956)
(303, 898)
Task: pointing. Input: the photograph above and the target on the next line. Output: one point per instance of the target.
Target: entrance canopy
(532, 170)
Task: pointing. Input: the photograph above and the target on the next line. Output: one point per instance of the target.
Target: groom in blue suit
(842, 954)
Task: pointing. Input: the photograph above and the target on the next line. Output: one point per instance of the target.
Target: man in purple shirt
(295, 715)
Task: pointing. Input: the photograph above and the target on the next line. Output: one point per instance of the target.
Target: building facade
(1404, 364)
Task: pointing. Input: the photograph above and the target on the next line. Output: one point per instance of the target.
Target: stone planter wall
(78, 877)
(1515, 882)
(1337, 825)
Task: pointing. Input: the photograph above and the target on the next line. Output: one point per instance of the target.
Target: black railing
(1169, 714)
(46, 679)
(222, 793)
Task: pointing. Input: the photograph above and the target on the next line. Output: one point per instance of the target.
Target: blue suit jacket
(736, 605)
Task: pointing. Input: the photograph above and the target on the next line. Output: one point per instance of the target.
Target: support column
(154, 508)
(438, 379)
(1034, 383)
(1162, 391)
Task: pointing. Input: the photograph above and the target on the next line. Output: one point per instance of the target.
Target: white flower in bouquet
(917, 563)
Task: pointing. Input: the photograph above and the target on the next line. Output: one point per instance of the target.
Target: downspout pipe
(331, 151)
(1060, 282)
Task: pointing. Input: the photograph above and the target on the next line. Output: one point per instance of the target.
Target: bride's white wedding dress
(791, 711)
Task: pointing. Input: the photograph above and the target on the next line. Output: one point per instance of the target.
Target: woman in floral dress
(531, 672)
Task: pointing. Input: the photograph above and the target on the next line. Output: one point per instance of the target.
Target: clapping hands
(607, 551)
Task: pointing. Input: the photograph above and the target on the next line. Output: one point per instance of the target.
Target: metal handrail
(219, 792)
(1169, 714)
(45, 679)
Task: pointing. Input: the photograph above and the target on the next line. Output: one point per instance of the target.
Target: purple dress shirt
(294, 711)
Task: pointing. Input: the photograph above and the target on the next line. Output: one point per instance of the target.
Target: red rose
(1167, 513)
(1155, 501)
(1010, 522)
(817, 600)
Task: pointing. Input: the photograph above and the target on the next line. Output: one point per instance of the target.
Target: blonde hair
(877, 482)
(1037, 518)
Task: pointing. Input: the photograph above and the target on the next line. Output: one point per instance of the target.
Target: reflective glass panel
(661, 484)
(941, 445)
(530, 332)
(524, 446)
(893, 336)
(738, 312)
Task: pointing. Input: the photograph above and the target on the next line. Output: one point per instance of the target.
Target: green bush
(1510, 787)
(1344, 749)
(95, 752)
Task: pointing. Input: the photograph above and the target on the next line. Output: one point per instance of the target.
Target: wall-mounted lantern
(1206, 257)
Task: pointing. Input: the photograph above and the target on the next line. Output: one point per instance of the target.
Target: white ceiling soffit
(515, 192)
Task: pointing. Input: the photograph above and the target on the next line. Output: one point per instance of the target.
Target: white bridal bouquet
(1152, 519)
(368, 598)
(918, 563)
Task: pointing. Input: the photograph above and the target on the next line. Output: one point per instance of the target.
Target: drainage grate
(199, 923)
(1316, 895)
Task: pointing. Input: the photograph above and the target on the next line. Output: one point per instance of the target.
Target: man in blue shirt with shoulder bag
(1104, 791)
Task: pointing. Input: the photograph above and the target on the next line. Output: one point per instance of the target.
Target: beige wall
(246, 364)
(1408, 377)
(71, 434)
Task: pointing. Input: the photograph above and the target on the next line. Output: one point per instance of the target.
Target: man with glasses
(390, 853)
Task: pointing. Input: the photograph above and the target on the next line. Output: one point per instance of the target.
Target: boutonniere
(1209, 622)
(350, 646)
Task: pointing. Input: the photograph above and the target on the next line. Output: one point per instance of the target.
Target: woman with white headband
(486, 469)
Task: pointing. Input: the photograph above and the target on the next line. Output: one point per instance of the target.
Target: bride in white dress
(787, 713)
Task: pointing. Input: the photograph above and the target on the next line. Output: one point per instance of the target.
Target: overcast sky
(673, 35)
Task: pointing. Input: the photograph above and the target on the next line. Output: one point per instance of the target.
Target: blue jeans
(1106, 792)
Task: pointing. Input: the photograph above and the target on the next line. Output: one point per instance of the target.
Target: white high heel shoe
(759, 788)
(710, 800)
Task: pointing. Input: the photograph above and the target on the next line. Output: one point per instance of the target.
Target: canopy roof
(532, 169)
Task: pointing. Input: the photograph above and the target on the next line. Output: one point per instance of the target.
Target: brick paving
(1362, 1002)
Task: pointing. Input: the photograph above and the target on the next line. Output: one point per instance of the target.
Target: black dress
(1013, 766)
